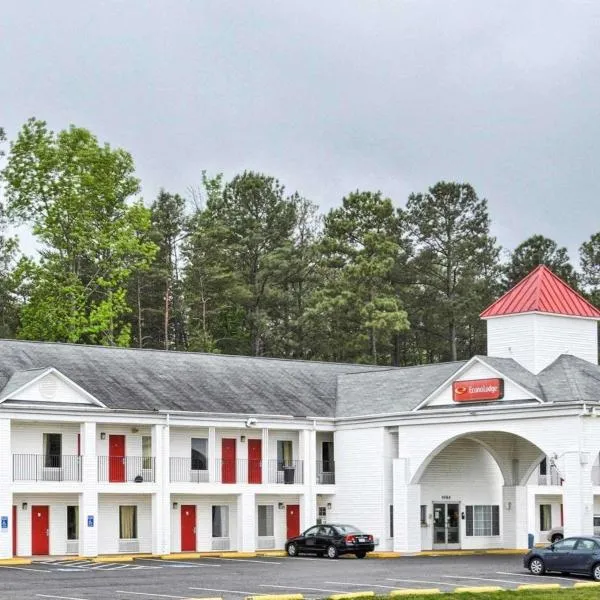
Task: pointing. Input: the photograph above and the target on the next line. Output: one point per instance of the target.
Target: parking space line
(227, 591)
(166, 563)
(26, 569)
(561, 577)
(150, 594)
(260, 562)
(482, 579)
(60, 597)
(293, 587)
(389, 587)
(421, 581)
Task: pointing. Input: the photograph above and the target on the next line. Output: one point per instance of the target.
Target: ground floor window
(220, 521)
(483, 520)
(265, 520)
(391, 520)
(322, 515)
(128, 523)
(545, 517)
(72, 522)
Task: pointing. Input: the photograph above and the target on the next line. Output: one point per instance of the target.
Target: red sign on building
(477, 390)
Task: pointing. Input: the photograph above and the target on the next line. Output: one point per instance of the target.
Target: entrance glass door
(446, 523)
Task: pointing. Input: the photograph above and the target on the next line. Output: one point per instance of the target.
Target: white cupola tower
(540, 319)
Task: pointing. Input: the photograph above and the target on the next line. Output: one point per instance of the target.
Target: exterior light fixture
(281, 506)
(329, 506)
(24, 506)
(242, 438)
(102, 435)
(175, 505)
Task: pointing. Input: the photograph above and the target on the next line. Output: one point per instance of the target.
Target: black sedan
(331, 540)
(571, 555)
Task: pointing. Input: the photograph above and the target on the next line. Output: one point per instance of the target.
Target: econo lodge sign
(476, 390)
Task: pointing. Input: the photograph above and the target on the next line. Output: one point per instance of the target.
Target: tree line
(242, 266)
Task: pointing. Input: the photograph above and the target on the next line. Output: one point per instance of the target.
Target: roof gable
(542, 291)
(45, 386)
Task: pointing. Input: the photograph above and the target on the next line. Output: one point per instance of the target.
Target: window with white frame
(284, 454)
(265, 520)
(199, 454)
(146, 452)
(128, 523)
(52, 450)
(483, 520)
(545, 517)
(73, 522)
(220, 521)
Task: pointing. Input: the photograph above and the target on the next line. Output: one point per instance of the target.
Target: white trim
(63, 378)
(541, 312)
(465, 367)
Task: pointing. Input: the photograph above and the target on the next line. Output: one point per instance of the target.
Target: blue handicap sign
(4, 522)
(90, 520)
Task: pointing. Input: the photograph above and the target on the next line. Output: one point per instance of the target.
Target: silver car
(557, 533)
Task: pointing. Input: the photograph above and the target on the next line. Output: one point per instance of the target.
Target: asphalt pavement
(234, 579)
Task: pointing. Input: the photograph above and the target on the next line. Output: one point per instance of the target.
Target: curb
(415, 592)
(479, 589)
(109, 559)
(539, 586)
(274, 597)
(586, 584)
(15, 561)
(351, 595)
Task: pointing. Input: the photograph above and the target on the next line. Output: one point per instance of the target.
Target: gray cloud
(330, 96)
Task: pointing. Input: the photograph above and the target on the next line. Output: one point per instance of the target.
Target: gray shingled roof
(390, 391)
(513, 370)
(187, 381)
(571, 378)
(18, 379)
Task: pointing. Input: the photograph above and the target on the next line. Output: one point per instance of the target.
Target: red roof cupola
(542, 292)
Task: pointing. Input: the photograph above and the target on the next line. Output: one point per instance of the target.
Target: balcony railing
(552, 478)
(325, 472)
(126, 469)
(596, 476)
(237, 471)
(40, 467)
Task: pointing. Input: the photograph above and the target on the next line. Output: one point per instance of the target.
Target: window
(327, 455)
(220, 521)
(265, 520)
(199, 454)
(483, 520)
(146, 452)
(322, 515)
(312, 532)
(391, 520)
(423, 514)
(284, 453)
(128, 522)
(72, 522)
(586, 546)
(544, 467)
(565, 546)
(545, 517)
(52, 450)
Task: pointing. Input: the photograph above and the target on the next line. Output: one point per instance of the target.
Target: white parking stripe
(562, 577)
(421, 581)
(61, 597)
(26, 569)
(293, 587)
(370, 585)
(227, 591)
(481, 579)
(177, 562)
(260, 562)
(149, 594)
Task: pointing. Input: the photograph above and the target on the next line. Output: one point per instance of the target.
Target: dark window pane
(199, 454)
(72, 522)
(469, 520)
(52, 450)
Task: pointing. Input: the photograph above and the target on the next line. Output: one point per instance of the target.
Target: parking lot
(153, 578)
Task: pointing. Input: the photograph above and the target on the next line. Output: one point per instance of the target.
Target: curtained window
(53, 450)
(128, 522)
(72, 522)
(265, 520)
(199, 454)
(146, 452)
(220, 521)
(545, 517)
(284, 454)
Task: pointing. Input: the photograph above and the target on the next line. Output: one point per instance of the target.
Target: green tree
(74, 193)
(356, 311)
(589, 254)
(534, 251)
(454, 267)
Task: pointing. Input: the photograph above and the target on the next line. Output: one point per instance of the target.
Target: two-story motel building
(108, 450)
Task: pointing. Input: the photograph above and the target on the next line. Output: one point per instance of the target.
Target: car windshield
(347, 529)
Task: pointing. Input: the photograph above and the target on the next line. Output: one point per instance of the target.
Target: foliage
(590, 266)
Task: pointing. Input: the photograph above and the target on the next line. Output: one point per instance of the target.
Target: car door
(558, 558)
(584, 555)
(308, 543)
(325, 537)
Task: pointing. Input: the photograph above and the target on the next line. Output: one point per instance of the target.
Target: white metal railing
(551, 478)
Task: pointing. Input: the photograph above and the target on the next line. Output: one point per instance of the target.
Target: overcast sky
(330, 96)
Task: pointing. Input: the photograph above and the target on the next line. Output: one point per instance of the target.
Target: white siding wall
(181, 441)
(28, 438)
(360, 475)
(133, 441)
(535, 340)
(450, 478)
(108, 521)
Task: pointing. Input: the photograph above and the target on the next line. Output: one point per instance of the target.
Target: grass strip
(562, 594)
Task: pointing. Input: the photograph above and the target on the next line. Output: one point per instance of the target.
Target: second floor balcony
(46, 467)
(126, 469)
(229, 471)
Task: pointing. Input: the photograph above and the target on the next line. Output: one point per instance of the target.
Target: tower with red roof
(539, 319)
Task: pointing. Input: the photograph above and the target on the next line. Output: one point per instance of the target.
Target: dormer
(539, 319)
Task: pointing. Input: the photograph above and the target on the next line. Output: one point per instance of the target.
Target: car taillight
(370, 538)
(350, 539)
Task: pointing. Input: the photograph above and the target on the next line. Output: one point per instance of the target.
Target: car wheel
(536, 566)
(556, 537)
(596, 572)
(361, 554)
(332, 551)
(292, 549)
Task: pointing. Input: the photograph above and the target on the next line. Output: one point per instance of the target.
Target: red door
(228, 460)
(116, 458)
(14, 531)
(188, 528)
(254, 461)
(292, 519)
(40, 532)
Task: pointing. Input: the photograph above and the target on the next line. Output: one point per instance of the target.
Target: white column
(6, 501)
(265, 455)
(532, 515)
(161, 500)
(246, 522)
(308, 501)
(212, 454)
(88, 503)
(578, 497)
(515, 521)
(407, 502)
